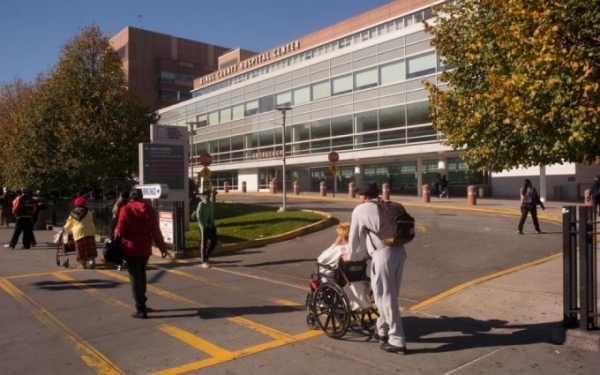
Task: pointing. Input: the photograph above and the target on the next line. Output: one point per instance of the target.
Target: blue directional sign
(154, 191)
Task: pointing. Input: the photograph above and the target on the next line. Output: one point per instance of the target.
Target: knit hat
(79, 201)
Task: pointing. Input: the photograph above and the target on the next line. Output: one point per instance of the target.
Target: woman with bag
(530, 199)
(137, 227)
(81, 225)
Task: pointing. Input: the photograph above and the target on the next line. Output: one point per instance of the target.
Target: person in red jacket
(137, 227)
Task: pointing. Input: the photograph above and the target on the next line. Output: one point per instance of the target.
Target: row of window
(168, 77)
(397, 125)
(393, 72)
(403, 176)
(357, 38)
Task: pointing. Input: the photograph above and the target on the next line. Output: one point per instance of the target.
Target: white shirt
(360, 242)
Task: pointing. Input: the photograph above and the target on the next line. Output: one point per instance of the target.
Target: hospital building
(354, 88)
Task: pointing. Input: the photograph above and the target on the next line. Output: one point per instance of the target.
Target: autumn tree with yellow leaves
(523, 84)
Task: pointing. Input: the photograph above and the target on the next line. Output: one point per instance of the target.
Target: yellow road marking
(89, 355)
(468, 284)
(265, 330)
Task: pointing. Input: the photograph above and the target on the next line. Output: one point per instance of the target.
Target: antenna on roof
(139, 21)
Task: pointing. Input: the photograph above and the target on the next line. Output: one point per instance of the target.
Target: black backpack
(396, 226)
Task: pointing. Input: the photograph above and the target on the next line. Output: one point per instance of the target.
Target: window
(237, 112)
(302, 95)
(417, 113)
(365, 79)
(320, 90)
(225, 114)
(421, 65)
(320, 129)
(283, 99)
(265, 104)
(341, 85)
(392, 118)
(213, 118)
(251, 108)
(393, 72)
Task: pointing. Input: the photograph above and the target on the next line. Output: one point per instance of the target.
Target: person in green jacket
(207, 228)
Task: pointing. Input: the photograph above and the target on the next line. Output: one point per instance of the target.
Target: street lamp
(191, 150)
(283, 111)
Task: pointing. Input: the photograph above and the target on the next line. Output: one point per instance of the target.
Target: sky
(33, 32)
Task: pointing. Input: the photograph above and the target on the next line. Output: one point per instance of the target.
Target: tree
(83, 126)
(14, 98)
(523, 81)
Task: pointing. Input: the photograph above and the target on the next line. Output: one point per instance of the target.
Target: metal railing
(580, 274)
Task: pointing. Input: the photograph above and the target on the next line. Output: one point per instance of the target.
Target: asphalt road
(452, 247)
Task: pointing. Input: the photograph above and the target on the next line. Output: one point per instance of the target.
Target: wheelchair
(328, 306)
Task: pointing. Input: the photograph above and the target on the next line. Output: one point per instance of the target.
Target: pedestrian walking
(6, 207)
(529, 200)
(137, 227)
(205, 214)
(595, 195)
(387, 265)
(81, 225)
(23, 209)
(444, 191)
(122, 201)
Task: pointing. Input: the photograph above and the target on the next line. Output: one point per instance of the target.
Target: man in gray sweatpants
(387, 265)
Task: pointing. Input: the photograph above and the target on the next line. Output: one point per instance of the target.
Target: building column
(443, 167)
(419, 173)
(358, 175)
(543, 183)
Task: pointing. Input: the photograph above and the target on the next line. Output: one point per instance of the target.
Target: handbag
(113, 250)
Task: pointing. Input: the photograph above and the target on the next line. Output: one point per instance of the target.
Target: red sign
(205, 159)
(333, 156)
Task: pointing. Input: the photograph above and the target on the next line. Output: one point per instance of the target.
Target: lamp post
(191, 151)
(283, 111)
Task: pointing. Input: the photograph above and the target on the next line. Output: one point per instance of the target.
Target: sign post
(205, 173)
(154, 191)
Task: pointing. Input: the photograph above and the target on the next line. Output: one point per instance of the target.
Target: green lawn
(243, 222)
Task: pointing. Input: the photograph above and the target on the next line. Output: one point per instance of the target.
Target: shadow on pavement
(461, 333)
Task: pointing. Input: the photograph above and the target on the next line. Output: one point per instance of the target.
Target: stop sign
(333, 157)
(205, 159)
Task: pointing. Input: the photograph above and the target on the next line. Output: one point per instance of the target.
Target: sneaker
(520, 232)
(205, 264)
(91, 263)
(393, 349)
(139, 315)
(9, 246)
(381, 339)
(539, 231)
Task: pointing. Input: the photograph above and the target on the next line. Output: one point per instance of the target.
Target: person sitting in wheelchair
(352, 276)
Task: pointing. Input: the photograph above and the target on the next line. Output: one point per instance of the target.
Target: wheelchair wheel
(310, 318)
(331, 310)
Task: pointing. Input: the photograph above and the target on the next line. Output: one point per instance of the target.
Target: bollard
(296, 187)
(351, 190)
(243, 186)
(426, 193)
(385, 191)
(587, 198)
(226, 187)
(471, 195)
(322, 189)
